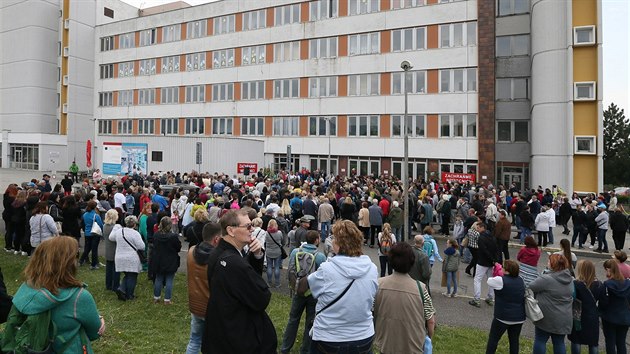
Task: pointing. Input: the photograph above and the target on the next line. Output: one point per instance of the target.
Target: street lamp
(406, 66)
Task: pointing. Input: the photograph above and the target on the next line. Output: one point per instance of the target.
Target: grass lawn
(140, 326)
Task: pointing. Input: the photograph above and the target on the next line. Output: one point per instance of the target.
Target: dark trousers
(385, 265)
(374, 231)
(8, 235)
(491, 225)
(363, 346)
(20, 241)
(497, 330)
(615, 336)
(579, 234)
(619, 237)
(601, 240)
(91, 246)
(446, 219)
(542, 238)
(502, 246)
(298, 305)
(366, 233)
(593, 234)
(112, 278)
(473, 263)
(128, 284)
(75, 177)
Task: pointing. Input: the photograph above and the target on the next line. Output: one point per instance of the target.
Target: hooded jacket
(554, 292)
(165, 253)
(72, 308)
(614, 300)
(350, 318)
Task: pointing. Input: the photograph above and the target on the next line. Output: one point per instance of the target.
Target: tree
(616, 146)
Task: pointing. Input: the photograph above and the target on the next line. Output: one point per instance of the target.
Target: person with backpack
(430, 246)
(302, 262)
(52, 310)
(386, 239)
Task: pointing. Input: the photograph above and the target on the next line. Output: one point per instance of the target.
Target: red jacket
(384, 205)
(529, 256)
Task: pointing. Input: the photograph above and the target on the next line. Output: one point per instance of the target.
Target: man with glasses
(236, 321)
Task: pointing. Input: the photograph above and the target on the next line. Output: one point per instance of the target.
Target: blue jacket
(88, 218)
(613, 302)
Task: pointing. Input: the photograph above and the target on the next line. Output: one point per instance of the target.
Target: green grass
(140, 326)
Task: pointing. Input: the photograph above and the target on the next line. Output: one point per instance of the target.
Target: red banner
(88, 154)
(240, 167)
(458, 177)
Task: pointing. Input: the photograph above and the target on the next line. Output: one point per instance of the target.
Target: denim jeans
(540, 342)
(615, 336)
(128, 284)
(576, 349)
(525, 231)
(451, 279)
(601, 239)
(480, 271)
(112, 278)
(197, 326)
(298, 304)
(91, 245)
(550, 235)
(397, 231)
(363, 346)
(273, 268)
(160, 279)
(497, 329)
(385, 265)
(325, 226)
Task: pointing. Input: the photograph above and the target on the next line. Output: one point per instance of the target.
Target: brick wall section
(486, 80)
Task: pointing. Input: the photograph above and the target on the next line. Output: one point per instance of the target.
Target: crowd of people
(238, 229)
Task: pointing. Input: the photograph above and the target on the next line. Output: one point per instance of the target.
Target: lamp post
(406, 66)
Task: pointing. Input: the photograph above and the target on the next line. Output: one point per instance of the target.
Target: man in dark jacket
(421, 269)
(236, 321)
(486, 257)
(618, 225)
(310, 208)
(565, 214)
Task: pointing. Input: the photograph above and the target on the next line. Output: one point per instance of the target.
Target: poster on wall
(124, 158)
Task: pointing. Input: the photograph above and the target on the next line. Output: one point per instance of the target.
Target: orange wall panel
(270, 16)
(343, 8)
(431, 2)
(342, 126)
(181, 126)
(342, 88)
(238, 21)
(208, 93)
(136, 67)
(304, 12)
(385, 5)
(268, 126)
(386, 41)
(158, 95)
(432, 36)
(304, 49)
(237, 91)
(115, 70)
(237, 56)
(137, 39)
(269, 53)
(116, 39)
(135, 97)
(343, 46)
(207, 128)
(432, 81)
(303, 87)
(385, 126)
(303, 126)
(114, 127)
(182, 62)
(115, 97)
(134, 127)
(386, 84)
(268, 89)
(432, 126)
(210, 26)
(158, 127)
(158, 65)
(159, 35)
(184, 28)
(182, 94)
(236, 129)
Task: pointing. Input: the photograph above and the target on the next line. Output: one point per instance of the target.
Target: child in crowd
(450, 266)
(175, 222)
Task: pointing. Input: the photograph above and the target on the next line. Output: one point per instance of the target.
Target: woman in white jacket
(128, 241)
(542, 226)
(551, 213)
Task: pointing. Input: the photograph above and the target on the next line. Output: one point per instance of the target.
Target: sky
(616, 47)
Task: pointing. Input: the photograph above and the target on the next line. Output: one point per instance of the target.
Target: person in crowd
(614, 310)
(274, 241)
(195, 229)
(309, 207)
(527, 223)
(236, 321)
(345, 288)
(565, 213)
(473, 247)
(376, 221)
(551, 216)
(450, 266)
(74, 171)
(430, 247)
(620, 257)
(396, 221)
(300, 303)
(164, 260)
(591, 225)
(42, 225)
(554, 294)
(385, 241)
(403, 310)
(112, 278)
(528, 257)
(619, 226)
(198, 289)
(486, 257)
(445, 212)
(91, 240)
(325, 214)
(587, 289)
(7, 213)
(421, 269)
(565, 250)
(580, 231)
(300, 232)
(128, 243)
(509, 312)
(347, 209)
(71, 217)
(602, 228)
(51, 284)
(502, 231)
(542, 226)
(364, 222)
(18, 222)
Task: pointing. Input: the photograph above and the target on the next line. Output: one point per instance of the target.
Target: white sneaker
(16, 252)
(590, 247)
(24, 254)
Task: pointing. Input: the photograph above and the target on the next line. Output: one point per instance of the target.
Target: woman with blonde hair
(587, 289)
(194, 232)
(274, 241)
(51, 284)
(286, 209)
(112, 278)
(386, 239)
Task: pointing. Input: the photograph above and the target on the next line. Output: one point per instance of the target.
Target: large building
(501, 91)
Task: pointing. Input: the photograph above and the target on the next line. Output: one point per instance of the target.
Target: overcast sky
(616, 19)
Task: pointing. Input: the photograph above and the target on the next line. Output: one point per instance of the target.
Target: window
(366, 43)
(512, 131)
(512, 89)
(287, 14)
(127, 40)
(169, 95)
(417, 125)
(148, 37)
(513, 7)
(126, 69)
(24, 156)
(359, 7)
(286, 88)
(196, 61)
(458, 34)
(458, 80)
(584, 35)
(458, 126)
(254, 19)
(508, 46)
(223, 58)
(458, 167)
(146, 96)
(124, 126)
(224, 24)
(323, 9)
(107, 71)
(409, 39)
(169, 126)
(253, 90)
(363, 85)
(195, 94)
(171, 33)
(322, 86)
(104, 126)
(125, 98)
(417, 81)
(156, 156)
(147, 67)
(363, 126)
(194, 126)
(108, 12)
(584, 145)
(403, 4)
(105, 99)
(146, 126)
(223, 92)
(584, 91)
(286, 51)
(322, 126)
(253, 126)
(254, 55)
(107, 43)
(196, 29)
(286, 126)
(170, 64)
(222, 126)
(323, 48)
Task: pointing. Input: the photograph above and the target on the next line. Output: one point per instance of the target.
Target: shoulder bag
(283, 253)
(96, 228)
(532, 310)
(310, 333)
(141, 254)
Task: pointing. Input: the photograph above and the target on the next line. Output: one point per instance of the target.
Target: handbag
(497, 270)
(141, 254)
(283, 253)
(96, 228)
(310, 333)
(576, 311)
(532, 310)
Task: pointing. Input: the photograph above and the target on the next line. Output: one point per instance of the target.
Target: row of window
(450, 80)
(252, 20)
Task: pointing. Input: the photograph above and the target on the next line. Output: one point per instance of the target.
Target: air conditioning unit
(66, 24)
(65, 80)
(64, 108)
(66, 51)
